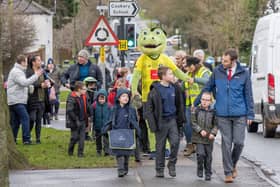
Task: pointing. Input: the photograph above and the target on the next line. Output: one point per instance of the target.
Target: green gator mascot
(152, 43)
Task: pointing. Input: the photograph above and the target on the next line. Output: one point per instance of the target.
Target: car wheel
(253, 127)
(269, 128)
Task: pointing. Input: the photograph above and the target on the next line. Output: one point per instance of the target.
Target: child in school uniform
(204, 133)
(122, 116)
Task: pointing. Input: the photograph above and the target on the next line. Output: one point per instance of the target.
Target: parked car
(265, 74)
(174, 40)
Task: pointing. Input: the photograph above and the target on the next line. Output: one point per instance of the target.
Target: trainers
(38, 141)
(159, 174)
(56, 117)
(228, 179)
(171, 169)
(234, 173)
(27, 143)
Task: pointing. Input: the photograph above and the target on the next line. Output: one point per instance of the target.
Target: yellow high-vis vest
(193, 90)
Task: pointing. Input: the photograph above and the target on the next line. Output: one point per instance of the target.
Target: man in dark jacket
(165, 113)
(79, 71)
(231, 85)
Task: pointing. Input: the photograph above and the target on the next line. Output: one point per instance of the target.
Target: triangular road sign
(102, 34)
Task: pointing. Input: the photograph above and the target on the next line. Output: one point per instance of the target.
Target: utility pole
(102, 55)
(74, 49)
(122, 37)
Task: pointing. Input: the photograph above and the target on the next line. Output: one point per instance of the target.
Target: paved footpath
(141, 175)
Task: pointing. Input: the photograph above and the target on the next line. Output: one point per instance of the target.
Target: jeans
(55, 106)
(188, 126)
(19, 115)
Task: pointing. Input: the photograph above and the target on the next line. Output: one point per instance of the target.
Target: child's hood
(101, 92)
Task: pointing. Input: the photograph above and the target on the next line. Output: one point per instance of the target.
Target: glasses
(205, 99)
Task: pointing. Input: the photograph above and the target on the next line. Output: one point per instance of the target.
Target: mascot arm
(181, 75)
(135, 80)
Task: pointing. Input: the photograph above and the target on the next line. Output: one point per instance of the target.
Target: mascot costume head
(152, 43)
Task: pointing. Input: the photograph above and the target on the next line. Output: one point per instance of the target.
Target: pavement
(140, 175)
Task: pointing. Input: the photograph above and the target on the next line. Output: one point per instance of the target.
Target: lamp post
(179, 38)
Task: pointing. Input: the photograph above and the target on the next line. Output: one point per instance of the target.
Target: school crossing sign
(102, 34)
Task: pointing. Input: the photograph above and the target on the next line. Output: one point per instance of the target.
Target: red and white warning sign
(102, 34)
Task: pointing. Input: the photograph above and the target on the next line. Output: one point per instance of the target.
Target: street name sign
(123, 9)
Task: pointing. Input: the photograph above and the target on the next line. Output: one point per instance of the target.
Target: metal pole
(102, 59)
(122, 37)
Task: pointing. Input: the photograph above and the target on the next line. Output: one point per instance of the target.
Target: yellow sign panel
(102, 54)
(123, 45)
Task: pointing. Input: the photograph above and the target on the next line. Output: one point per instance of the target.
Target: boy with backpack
(205, 130)
(122, 116)
(78, 114)
(165, 114)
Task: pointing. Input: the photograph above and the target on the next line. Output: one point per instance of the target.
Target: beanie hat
(50, 61)
(192, 61)
(83, 53)
(121, 91)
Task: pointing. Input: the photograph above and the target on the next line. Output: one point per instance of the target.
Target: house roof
(28, 7)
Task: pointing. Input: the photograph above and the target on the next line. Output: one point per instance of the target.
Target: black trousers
(144, 142)
(36, 115)
(77, 135)
(102, 141)
(204, 157)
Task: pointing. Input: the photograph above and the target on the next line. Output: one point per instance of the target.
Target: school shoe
(171, 169)
(80, 155)
(121, 173)
(234, 173)
(208, 177)
(199, 173)
(160, 173)
(229, 179)
(99, 153)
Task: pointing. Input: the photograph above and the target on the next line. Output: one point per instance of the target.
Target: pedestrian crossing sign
(123, 45)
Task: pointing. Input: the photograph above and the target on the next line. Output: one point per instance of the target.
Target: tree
(10, 157)
(221, 24)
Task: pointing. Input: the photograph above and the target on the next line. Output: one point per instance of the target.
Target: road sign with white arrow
(123, 9)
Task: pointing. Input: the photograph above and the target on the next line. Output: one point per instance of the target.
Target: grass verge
(52, 153)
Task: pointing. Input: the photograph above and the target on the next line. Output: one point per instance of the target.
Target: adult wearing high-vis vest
(199, 77)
